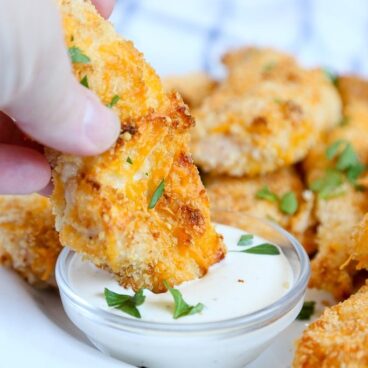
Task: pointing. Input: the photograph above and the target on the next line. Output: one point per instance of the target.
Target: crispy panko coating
(266, 115)
(28, 241)
(102, 203)
(359, 245)
(193, 87)
(240, 195)
(339, 338)
(338, 216)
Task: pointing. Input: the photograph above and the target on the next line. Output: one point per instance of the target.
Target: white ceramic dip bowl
(230, 343)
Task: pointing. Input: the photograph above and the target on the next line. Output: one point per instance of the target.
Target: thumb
(38, 87)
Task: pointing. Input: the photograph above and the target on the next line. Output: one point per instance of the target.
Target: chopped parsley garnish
(182, 308)
(306, 311)
(334, 148)
(332, 77)
(125, 303)
(129, 161)
(84, 81)
(328, 185)
(344, 121)
(268, 67)
(77, 56)
(289, 203)
(267, 195)
(265, 248)
(113, 101)
(157, 194)
(347, 166)
(246, 239)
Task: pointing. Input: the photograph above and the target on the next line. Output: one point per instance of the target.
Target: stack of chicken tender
(272, 139)
(272, 127)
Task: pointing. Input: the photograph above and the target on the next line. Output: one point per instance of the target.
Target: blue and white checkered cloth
(179, 36)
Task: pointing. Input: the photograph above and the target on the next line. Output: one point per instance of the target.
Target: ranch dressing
(240, 284)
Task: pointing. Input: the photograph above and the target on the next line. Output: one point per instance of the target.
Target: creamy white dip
(242, 283)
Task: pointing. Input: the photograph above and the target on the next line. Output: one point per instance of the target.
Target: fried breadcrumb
(193, 87)
(28, 241)
(338, 215)
(139, 210)
(339, 338)
(266, 115)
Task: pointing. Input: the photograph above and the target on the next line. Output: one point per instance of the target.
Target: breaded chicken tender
(337, 216)
(193, 87)
(266, 115)
(359, 245)
(339, 338)
(140, 209)
(28, 241)
(240, 195)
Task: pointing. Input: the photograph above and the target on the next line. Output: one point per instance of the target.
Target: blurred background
(179, 36)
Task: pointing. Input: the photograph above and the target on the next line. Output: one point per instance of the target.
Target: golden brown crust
(359, 246)
(101, 203)
(239, 195)
(266, 115)
(28, 241)
(338, 216)
(339, 338)
(193, 87)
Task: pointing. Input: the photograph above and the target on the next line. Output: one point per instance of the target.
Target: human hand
(40, 93)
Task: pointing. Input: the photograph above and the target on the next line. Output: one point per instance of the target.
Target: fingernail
(101, 124)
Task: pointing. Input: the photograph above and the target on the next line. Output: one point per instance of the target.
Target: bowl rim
(247, 323)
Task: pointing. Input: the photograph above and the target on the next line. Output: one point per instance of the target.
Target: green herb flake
(113, 101)
(354, 172)
(289, 203)
(246, 239)
(334, 148)
(347, 158)
(84, 81)
(125, 303)
(265, 248)
(327, 184)
(157, 194)
(331, 76)
(129, 161)
(267, 195)
(306, 311)
(344, 121)
(268, 67)
(181, 308)
(77, 56)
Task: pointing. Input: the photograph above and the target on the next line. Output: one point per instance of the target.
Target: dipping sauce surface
(242, 283)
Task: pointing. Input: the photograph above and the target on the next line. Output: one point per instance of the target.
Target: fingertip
(82, 125)
(104, 7)
(47, 190)
(101, 126)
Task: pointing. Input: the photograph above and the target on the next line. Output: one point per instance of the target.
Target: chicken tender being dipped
(334, 169)
(140, 209)
(266, 115)
(339, 338)
(279, 197)
(29, 242)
